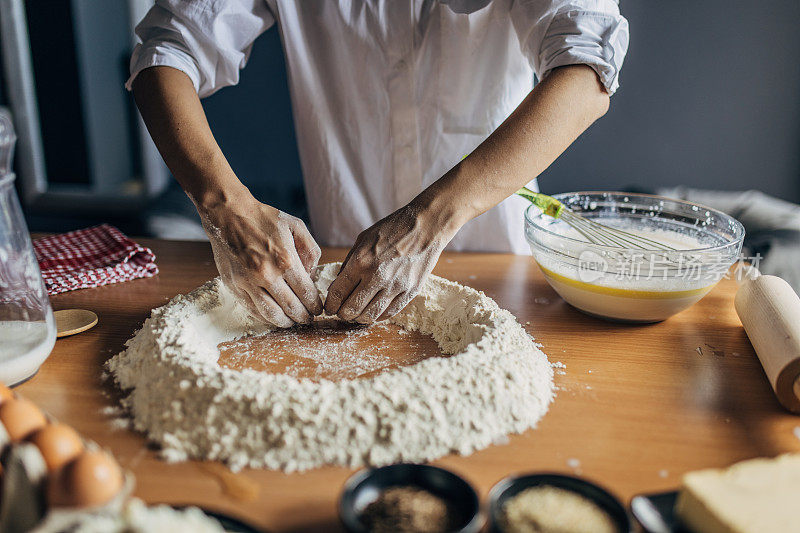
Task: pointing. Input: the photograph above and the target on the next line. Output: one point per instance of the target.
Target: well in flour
(496, 382)
(329, 349)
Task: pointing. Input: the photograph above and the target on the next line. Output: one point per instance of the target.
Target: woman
(388, 97)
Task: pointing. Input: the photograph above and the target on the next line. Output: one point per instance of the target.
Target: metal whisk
(592, 231)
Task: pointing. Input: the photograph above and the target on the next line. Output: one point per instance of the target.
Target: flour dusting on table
(329, 349)
(496, 382)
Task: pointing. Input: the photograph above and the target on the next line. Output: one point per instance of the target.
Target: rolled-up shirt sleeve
(208, 40)
(574, 32)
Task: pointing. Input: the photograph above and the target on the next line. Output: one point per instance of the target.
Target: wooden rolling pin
(770, 313)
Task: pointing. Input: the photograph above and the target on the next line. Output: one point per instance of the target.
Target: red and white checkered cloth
(90, 258)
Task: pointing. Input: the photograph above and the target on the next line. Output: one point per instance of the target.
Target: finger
(339, 290)
(354, 305)
(288, 301)
(268, 309)
(247, 301)
(307, 248)
(300, 282)
(350, 253)
(397, 305)
(376, 307)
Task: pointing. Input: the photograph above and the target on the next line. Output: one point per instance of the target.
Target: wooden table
(637, 406)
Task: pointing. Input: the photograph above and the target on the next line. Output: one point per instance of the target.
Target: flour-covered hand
(386, 267)
(266, 258)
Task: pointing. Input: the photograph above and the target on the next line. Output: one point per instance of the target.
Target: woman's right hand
(266, 257)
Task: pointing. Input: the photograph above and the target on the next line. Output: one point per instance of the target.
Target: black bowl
(365, 486)
(509, 487)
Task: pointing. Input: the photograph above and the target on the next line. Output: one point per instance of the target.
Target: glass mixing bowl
(629, 284)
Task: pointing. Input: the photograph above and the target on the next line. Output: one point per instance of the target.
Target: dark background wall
(710, 97)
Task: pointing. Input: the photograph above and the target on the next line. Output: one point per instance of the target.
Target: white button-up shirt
(388, 95)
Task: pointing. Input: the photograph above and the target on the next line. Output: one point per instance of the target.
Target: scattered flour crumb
(663, 473)
(120, 424)
(796, 431)
(495, 382)
(699, 350)
(573, 463)
(472, 276)
(119, 421)
(112, 410)
(541, 300)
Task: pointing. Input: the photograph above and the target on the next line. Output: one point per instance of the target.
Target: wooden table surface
(637, 406)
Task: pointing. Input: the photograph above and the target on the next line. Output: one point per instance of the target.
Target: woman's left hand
(387, 265)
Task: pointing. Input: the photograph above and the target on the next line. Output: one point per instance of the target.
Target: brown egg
(20, 418)
(58, 443)
(93, 478)
(5, 393)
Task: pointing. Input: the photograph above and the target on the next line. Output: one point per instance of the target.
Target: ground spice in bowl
(550, 509)
(408, 509)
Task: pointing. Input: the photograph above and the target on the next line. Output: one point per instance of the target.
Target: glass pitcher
(27, 326)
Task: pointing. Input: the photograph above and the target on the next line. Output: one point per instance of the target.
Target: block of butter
(755, 496)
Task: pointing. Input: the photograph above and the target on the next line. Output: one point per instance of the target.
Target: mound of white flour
(496, 383)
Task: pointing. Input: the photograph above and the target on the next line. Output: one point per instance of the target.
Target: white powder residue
(117, 417)
(111, 411)
(134, 517)
(327, 349)
(575, 465)
(496, 382)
